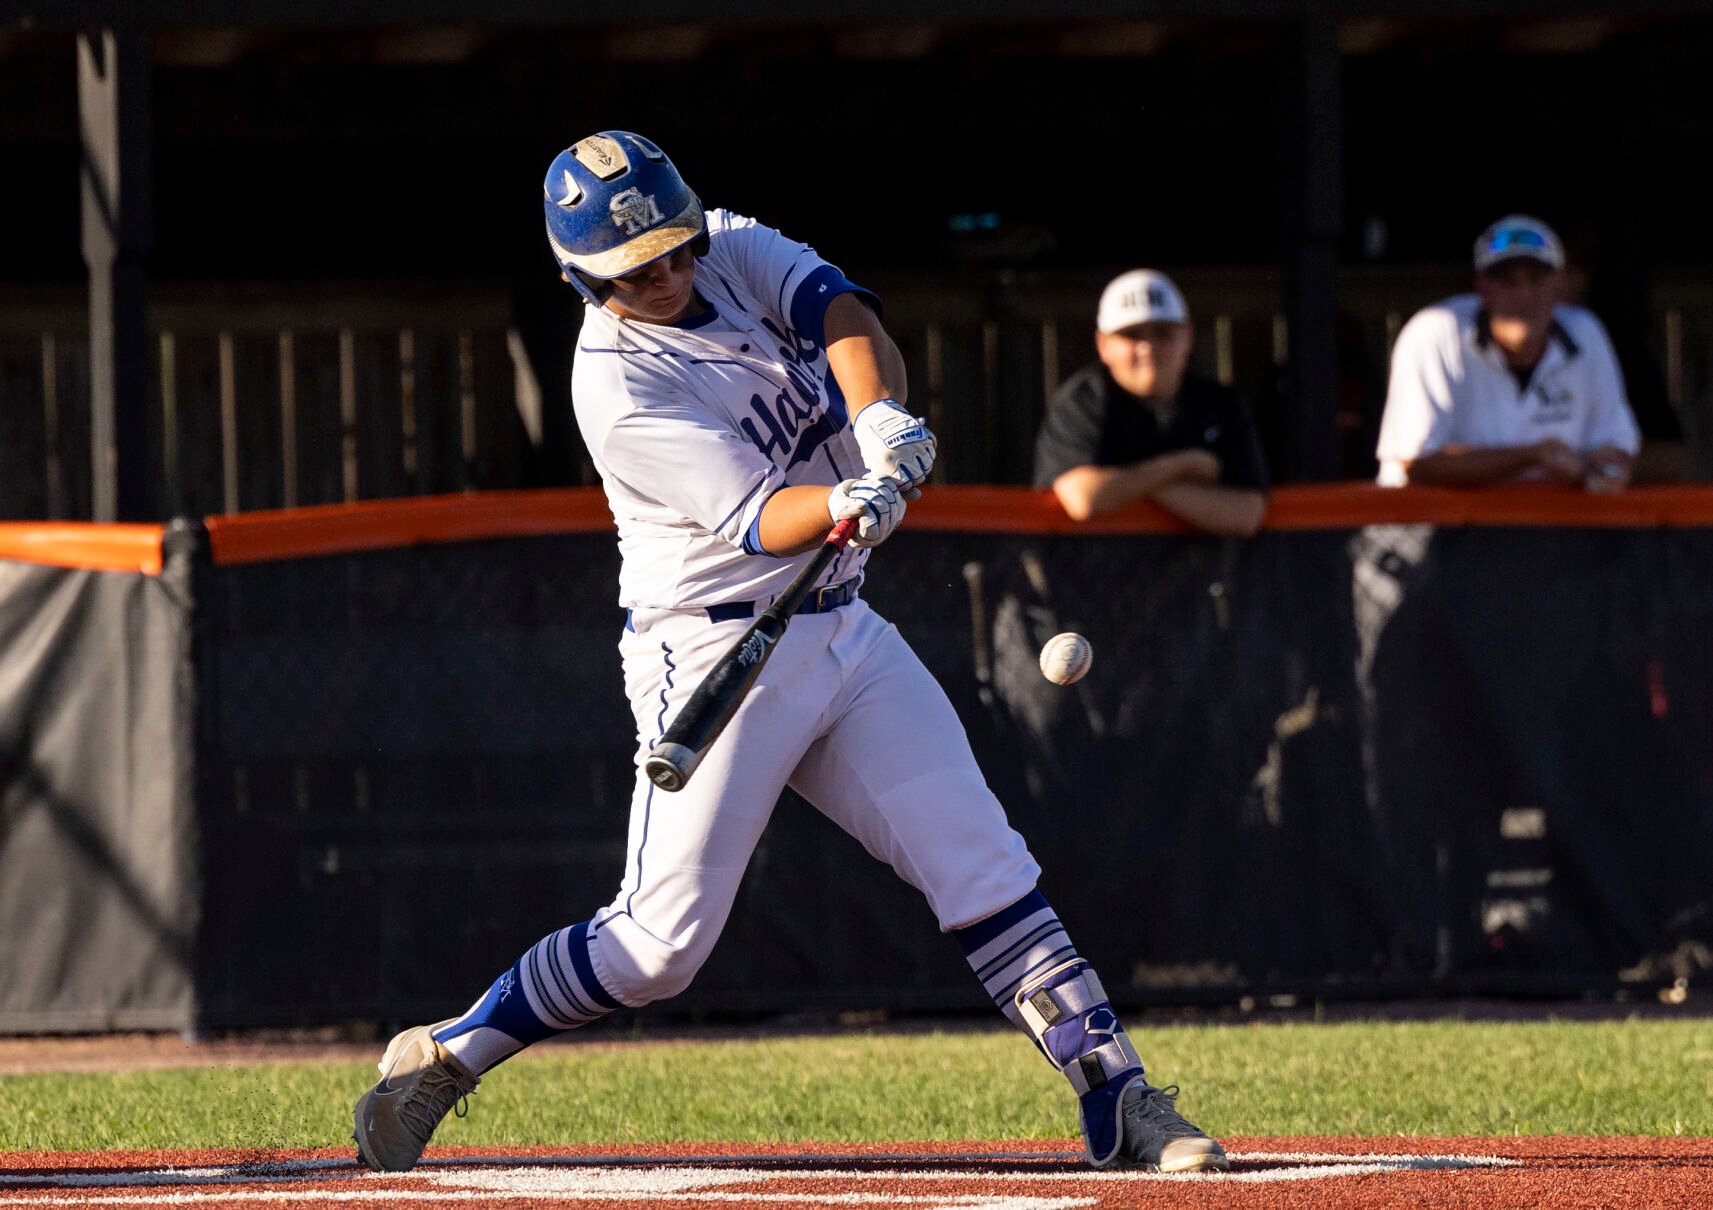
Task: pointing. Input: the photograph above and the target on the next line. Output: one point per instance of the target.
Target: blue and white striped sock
(1018, 943)
(552, 988)
(1070, 1019)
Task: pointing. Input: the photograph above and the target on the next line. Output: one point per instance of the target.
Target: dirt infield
(1271, 1173)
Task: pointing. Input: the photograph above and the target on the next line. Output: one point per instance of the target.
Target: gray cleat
(420, 1083)
(1157, 1136)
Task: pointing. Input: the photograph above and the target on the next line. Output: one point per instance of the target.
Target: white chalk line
(595, 1178)
(418, 1196)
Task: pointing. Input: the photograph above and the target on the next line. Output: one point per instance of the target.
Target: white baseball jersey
(694, 428)
(1450, 385)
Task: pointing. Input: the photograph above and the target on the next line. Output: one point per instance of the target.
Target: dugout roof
(1290, 133)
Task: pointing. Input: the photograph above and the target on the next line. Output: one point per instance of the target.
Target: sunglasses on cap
(1512, 239)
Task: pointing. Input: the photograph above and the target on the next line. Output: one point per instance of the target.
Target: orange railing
(82, 544)
(380, 524)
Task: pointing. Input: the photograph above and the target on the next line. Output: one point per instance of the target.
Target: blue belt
(821, 600)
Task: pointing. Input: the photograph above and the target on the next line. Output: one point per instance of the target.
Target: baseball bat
(676, 754)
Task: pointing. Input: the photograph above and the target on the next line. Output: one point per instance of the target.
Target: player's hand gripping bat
(676, 754)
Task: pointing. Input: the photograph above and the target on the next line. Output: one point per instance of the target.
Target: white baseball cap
(1138, 297)
(1518, 237)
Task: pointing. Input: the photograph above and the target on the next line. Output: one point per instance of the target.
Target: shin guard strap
(1094, 1068)
(1067, 1011)
(1058, 994)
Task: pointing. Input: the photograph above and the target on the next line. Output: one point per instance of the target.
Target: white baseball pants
(846, 715)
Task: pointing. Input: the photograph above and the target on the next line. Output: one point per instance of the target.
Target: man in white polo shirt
(1508, 384)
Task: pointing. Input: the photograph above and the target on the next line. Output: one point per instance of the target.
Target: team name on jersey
(799, 419)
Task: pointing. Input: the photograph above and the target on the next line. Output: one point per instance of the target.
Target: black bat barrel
(675, 755)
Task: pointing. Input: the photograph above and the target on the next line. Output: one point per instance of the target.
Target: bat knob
(669, 766)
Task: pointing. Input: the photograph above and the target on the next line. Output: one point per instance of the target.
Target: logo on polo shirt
(1552, 402)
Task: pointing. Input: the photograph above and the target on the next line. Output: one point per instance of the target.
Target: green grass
(1359, 1078)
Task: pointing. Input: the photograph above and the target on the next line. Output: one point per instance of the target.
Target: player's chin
(672, 301)
(669, 305)
(664, 308)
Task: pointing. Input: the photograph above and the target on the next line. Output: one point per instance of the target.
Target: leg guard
(1067, 1012)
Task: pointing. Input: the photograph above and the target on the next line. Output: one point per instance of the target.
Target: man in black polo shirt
(1133, 426)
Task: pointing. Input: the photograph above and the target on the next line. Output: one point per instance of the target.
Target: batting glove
(878, 502)
(895, 443)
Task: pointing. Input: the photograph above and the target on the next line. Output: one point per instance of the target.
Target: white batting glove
(895, 443)
(878, 502)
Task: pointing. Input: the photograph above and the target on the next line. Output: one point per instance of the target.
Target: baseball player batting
(740, 397)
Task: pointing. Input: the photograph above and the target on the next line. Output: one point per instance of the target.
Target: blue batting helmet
(614, 203)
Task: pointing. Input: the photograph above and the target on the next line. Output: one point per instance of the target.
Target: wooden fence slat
(1016, 401)
(350, 484)
(23, 429)
(53, 418)
(374, 396)
(408, 419)
(286, 353)
(961, 395)
(439, 442)
(228, 422)
(320, 432)
(72, 352)
(1076, 343)
(920, 346)
(190, 421)
(261, 464)
(380, 417)
(502, 442)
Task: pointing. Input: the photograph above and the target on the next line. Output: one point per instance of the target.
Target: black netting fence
(1375, 761)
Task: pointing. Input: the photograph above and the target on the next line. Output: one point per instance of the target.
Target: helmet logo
(573, 193)
(634, 211)
(602, 156)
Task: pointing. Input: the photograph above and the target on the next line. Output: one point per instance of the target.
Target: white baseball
(1066, 658)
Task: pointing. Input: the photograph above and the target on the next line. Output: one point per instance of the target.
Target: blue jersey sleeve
(815, 293)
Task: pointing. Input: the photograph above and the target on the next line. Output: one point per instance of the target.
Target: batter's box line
(1074, 1159)
(345, 1167)
(1269, 1165)
(587, 1178)
(1300, 1166)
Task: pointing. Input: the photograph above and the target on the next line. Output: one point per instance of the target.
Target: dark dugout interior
(933, 148)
